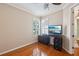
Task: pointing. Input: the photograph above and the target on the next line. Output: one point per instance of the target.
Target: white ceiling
(38, 8)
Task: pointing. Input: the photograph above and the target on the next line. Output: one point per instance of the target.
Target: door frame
(73, 27)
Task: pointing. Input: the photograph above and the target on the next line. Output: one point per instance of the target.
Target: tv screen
(54, 29)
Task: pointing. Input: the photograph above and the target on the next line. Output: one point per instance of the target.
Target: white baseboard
(18, 47)
(67, 50)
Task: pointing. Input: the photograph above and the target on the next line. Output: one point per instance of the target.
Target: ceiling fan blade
(46, 5)
(56, 3)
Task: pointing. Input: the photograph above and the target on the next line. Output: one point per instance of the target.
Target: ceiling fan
(46, 5)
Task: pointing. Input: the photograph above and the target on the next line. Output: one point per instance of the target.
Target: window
(40, 27)
(36, 26)
(44, 26)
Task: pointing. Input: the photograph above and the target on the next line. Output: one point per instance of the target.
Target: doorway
(76, 30)
(76, 26)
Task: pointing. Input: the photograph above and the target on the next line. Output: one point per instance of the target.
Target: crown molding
(66, 5)
(29, 11)
(72, 5)
(20, 8)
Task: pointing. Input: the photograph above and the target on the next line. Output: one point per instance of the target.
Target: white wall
(66, 28)
(15, 28)
(55, 18)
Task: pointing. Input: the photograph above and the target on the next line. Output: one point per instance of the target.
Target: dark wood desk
(57, 41)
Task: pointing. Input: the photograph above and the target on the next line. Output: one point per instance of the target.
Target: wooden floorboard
(28, 50)
(76, 50)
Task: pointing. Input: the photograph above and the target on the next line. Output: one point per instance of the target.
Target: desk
(55, 40)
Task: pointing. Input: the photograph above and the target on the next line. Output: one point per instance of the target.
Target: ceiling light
(56, 3)
(46, 5)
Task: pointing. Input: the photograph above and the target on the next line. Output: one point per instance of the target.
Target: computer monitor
(54, 29)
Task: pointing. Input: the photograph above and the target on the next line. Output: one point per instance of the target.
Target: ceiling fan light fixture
(57, 3)
(46, 5)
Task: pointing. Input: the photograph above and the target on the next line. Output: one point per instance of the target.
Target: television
(54, 29)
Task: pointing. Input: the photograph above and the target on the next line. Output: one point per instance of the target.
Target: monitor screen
(54, 29)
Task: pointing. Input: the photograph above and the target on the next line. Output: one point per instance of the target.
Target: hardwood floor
(76, 52)
(28, 51)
